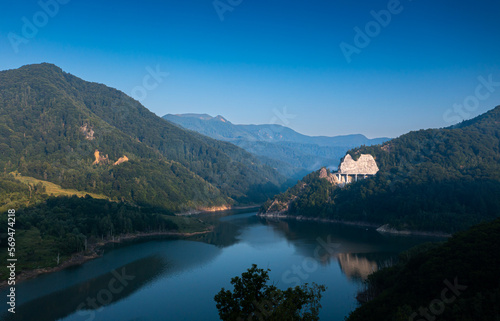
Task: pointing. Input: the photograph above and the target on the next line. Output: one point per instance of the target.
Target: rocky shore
(382, 229)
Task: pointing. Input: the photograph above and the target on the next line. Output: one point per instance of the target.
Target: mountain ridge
(291, 153)
(43, 110)
(255, 128)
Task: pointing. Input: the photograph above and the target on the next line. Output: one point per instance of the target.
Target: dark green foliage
(14, 194)
(469, 259)
(71, 220)
(253, 299)
(435, 180)
(52, 229)
(46, 113)
(308, 197)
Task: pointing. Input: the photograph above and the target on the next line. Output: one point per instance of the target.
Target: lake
(176, 279)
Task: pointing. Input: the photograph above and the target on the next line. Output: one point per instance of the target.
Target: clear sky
(300, 63)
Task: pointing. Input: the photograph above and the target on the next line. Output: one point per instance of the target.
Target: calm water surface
(177, 279)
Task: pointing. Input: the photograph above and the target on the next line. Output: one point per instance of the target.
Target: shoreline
(379, 228)
(205, 211)
(386, 229)
(94, 251)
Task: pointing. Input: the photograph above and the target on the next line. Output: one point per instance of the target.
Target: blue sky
(275, 61)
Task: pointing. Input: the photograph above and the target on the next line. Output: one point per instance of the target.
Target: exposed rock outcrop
(104, 159)
(100, 159)
(364, 165)
(120, 160)
(216, 208)
(323, 173)
(87, 131)
(278, 207)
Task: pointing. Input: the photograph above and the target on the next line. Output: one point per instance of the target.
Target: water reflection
(105, 281)
(92, 295)
(358, 251)
(356, 266)
(196, 269)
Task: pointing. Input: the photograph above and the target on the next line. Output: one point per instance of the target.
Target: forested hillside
(434, 180)
(51, 124)
(280, 147)
(457, 280)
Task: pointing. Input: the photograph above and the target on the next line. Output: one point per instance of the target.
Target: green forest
(50, 227)
(441, 180)
(50, 232)
(457, 281)
(52, 122)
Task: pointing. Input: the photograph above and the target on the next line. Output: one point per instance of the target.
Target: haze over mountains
(291, 153)
(55, 127)
(432, 180)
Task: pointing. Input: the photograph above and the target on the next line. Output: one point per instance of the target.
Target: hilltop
(82, 164)
(86, 136)
(440, 180)
(291, 153)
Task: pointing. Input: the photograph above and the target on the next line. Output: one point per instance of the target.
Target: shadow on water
(110, 281)
(94, 294)
(84, 290)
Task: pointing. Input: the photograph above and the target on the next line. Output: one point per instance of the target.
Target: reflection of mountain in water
(94, 293)
(306, 236)
(145, 262)
(224, 234)
(358, 250)
(356, 266)
(227, 227)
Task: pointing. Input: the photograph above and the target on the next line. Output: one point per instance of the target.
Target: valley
(88, 169)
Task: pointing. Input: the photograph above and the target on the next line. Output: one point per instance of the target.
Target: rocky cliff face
(323, 173)
(87, 131)
(120, 160)
(283, 203)
(100, 159)
(104, 159)
(364, 165)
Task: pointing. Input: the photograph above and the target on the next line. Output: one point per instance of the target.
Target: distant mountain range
(89, 137)
(442, 180)
(291, 153)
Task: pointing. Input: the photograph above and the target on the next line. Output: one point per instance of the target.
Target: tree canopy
(442, 180)
(456, 281)
(52, 122)
(252, 298)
